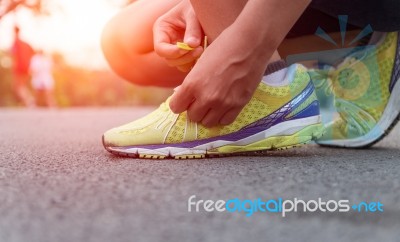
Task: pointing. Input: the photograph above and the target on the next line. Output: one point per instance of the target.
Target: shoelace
(358, 120)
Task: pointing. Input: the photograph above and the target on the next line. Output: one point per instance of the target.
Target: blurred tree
(39, 7)
(121, 3)
(129, 1)
(75, 86)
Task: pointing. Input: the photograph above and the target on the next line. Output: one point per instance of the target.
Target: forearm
(244, 36)
(217, 15)
(254, 35)
(263, 24)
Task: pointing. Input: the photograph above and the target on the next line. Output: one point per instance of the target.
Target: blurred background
(63, 37)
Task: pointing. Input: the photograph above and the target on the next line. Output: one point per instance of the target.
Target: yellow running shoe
(276, 117)
(366, 92)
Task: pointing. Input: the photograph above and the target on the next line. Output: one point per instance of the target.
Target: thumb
(194, 32)
(181, 99)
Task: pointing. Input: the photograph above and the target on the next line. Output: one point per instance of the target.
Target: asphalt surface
(58, 184)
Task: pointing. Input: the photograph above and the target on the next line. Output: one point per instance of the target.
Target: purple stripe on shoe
(254, 128)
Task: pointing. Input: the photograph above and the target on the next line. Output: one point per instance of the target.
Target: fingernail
(193, 42)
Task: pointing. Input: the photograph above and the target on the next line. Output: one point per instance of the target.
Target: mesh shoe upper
(360, 86)
(164, 127)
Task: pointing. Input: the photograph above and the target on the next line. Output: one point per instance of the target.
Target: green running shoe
(366, 94)
(277, 117)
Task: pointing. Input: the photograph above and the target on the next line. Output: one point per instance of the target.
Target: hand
(179, 24)
(221, 83)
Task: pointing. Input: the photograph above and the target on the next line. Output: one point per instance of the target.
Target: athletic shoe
(276, 117)
(366, 94)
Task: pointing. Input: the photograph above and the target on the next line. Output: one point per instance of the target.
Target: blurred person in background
(41, 70)
(22, 53)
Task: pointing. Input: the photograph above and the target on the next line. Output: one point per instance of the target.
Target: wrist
(249, 47)
(260, 40)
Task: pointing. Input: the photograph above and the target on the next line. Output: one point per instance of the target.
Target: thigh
(128, 45)
(139, 18)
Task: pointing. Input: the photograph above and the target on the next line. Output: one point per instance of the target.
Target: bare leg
(128, 45)
(50, 101)
(22, 90)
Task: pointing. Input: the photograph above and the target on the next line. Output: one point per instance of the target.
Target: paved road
(58, 184)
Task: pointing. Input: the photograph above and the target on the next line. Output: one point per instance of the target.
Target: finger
(181, 99)
(163, 44)
(197, 111)
(212, 118)
(188, 58)
(170, 51)
(230, 116)
(194, 32)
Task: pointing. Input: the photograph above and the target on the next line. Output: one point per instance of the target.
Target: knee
(125, 63)
(112, 48)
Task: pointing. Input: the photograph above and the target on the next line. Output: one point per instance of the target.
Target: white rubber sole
(280, 130)
(388, 118)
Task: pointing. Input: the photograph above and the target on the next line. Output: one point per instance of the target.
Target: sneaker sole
(388, 121)
(285, 135)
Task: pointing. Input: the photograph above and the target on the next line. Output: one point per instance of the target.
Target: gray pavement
(58, 184)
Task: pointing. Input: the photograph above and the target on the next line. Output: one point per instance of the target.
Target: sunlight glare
(74, 29)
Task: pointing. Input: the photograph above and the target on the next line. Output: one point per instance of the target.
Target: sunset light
(73, 28)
